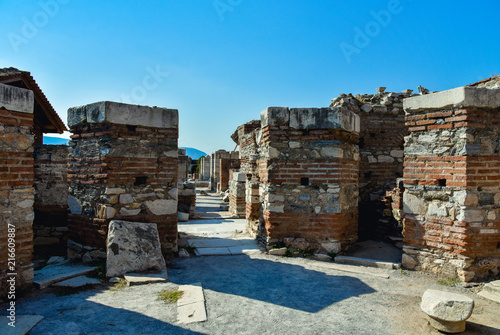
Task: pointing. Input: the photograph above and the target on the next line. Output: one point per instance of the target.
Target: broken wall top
(461, 97)
(124, 114)
(16, 99)
(310, 118)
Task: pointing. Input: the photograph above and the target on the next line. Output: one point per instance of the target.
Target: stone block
(324, 118)
(275, 116)
(16, 99)
(461, 97)
(133, 246)
(119, 113)
(413, 204)
(447, 311)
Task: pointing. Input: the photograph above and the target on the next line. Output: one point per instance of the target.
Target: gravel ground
(256, 295)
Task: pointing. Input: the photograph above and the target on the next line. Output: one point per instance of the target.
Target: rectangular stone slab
(53, 274)
(144, 278)
(24, 323)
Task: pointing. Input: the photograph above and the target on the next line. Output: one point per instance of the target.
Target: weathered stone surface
(275, 116)
(74, 205)
(119, 113)
(16, 99)
(458, 97)
(162, 207)
(447, 306)
(413, 204)
(447, 326)
(133, 246)
(78, 282)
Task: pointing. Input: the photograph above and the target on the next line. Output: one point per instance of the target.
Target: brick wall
(123, 164)
(16, 187)
(308, 171)
(452, 193)
(50, 226)
(381, 156)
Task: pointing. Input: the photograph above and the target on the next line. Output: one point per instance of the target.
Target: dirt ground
(258, 294)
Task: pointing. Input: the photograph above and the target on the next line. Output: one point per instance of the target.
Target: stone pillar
(224, 166)
(252, 211)
(237, 190)
(187, 198)
(308, 171)
(16, 187)
(123, 165)
(205, 168)
(451, 176)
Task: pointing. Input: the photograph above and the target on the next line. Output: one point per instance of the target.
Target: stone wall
(451, 175)
(16, 187)
(215, 160)
(50, 226)
(308, 170)
(123, 164)
(381, 150)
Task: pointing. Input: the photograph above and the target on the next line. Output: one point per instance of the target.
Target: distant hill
(194, 153)
(55, 140)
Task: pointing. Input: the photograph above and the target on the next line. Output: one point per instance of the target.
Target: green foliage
(449, 282)
(120, 285)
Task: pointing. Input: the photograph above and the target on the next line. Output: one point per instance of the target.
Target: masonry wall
(308, 171)
(184, 164)
(205, 168)
(451, 176)
(381, 156)
(215, 160)
(16, 187)
(123, 164)
(187, 198)
(50, 226)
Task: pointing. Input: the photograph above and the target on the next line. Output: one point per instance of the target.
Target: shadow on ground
(74, 315)
(277, 283)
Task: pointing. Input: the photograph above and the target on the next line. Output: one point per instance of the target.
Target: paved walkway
(215, 232)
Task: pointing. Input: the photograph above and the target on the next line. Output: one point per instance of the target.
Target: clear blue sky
(229, 59)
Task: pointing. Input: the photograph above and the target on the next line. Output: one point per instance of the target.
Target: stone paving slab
(23, 324)
(145, 278)
(244, 250)
(191, 306)
(213, 243)
(56, 273)
(351, 268)
(192, 293)
(78, 282)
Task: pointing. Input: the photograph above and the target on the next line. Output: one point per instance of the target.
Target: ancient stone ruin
(423, 168)
(123, 164)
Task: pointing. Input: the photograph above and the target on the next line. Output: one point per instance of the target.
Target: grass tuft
(170, 296)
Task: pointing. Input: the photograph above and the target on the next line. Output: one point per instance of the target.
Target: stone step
(491, 291)
(367, 262)
(58, 272)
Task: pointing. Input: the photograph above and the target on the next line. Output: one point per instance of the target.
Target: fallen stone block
(491, 291)
(447, 311)
(133, 247)
(76, 282)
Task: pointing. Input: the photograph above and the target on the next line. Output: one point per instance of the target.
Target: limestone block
(174, 193)
(385, 159)
(447, 311)
(437, 210)
(397, 153)
(324, 118)
(294, 145)
(162, 206)
(332, 152)
(465, 198)
(413, 204)
(239, 177)
(275, 116)
(16, 141)
(114, 190)
(133, 246)
(458, 97)
(16, 99)
(119, 113)
(408, 262)
(129, 212)
(471, 215)
(126, 198)
(275, 208)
